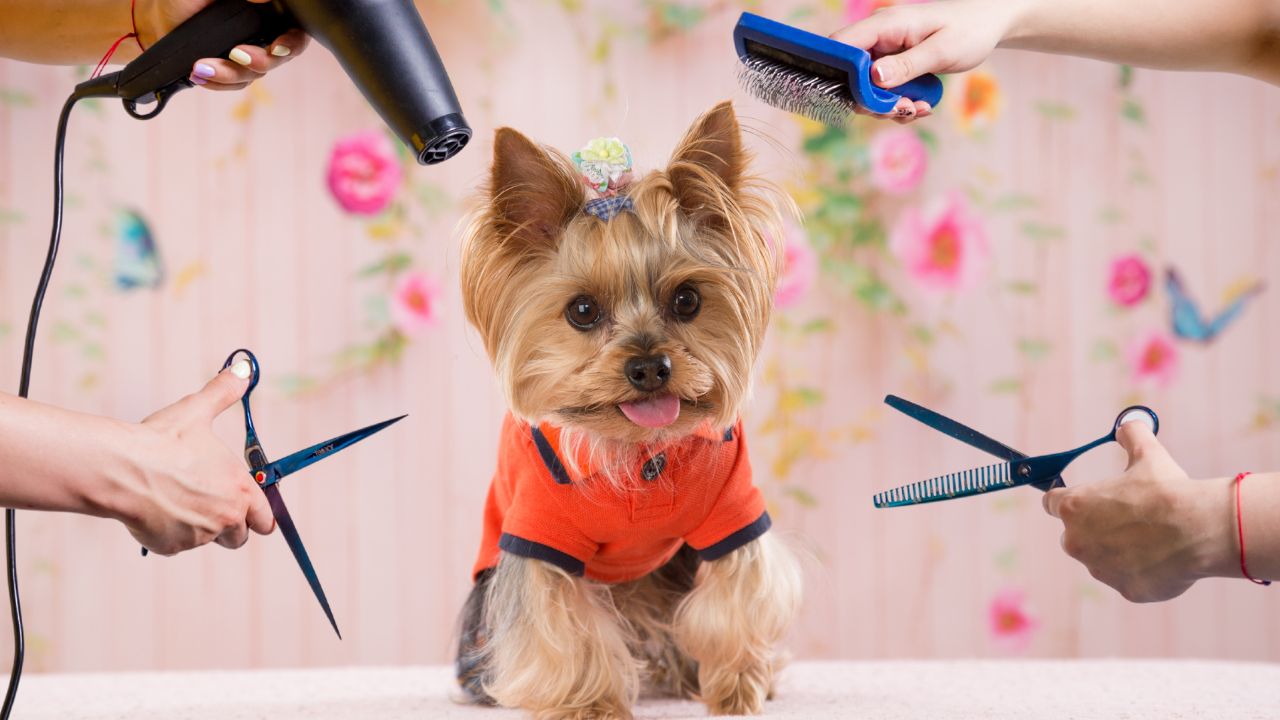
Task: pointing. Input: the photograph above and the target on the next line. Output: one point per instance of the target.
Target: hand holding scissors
(1043, 472)
(268, 474)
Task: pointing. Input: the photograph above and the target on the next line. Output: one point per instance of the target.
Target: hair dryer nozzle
(385, 49)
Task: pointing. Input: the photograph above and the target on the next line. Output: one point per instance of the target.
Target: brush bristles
(787, 88)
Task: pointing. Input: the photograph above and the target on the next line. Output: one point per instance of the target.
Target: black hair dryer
(382, 44)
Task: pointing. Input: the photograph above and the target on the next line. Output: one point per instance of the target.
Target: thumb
(1140, 443)
(893, 70)
(220, 393)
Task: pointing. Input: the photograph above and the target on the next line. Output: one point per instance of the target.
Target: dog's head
(637, 329)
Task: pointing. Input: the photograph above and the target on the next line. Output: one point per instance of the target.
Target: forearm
(55, 459)
(1226, 35)
(65, 31)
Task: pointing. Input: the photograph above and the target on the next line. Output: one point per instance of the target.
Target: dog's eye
(583, 312)
(685, 303)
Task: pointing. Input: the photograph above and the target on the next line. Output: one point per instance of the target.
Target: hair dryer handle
(213, 32)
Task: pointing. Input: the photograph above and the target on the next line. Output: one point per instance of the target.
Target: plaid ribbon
(607, 208)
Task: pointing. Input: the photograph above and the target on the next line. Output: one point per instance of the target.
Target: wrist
(1212, 508)
(1022, 23)
(120, 490)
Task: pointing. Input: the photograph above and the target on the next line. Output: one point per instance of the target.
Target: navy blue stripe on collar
(549, 457)
(728, 434)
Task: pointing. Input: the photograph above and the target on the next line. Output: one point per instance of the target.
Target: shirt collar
(551, 436)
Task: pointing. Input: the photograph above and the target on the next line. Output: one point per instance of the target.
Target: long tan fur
(731, 624)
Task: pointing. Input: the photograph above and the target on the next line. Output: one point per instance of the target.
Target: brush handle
(927, 88)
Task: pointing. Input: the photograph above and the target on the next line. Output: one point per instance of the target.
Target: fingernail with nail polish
(241, 369)
(205, 71)
(880, 74)
(198, 80)
(280, 51)
(239, 56)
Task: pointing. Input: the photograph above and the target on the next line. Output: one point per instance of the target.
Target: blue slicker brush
(815, 76)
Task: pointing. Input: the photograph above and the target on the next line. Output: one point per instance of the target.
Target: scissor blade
(291, 536)
(946, 487)
(290, 464)
(963, 433)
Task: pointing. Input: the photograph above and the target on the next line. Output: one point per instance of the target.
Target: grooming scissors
(1042, 472)
(269, 474)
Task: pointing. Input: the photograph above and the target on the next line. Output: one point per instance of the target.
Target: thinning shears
(269, 474)
(1042, 472)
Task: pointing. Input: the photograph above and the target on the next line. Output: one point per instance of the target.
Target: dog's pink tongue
(655, 412)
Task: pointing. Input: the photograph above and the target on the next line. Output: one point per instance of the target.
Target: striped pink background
(392, 525)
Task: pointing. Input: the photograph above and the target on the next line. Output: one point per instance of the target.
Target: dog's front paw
(737, 693)
(595, 712)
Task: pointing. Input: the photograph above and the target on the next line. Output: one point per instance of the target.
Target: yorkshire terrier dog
(624, 545)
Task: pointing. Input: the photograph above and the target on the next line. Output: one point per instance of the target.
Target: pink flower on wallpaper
(855, 10)
(1154, 358)
(1129, 281)
(898, 160)
(413, 302)
(944, 248)
(799, 269)
(364, 172)
(1012, 627)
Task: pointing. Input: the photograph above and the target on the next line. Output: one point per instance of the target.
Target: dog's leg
(556, 646)
(649, 606)
(731, 622)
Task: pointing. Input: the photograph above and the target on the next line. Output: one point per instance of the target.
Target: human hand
(1152, 532)
(908, 41)
(155, 18)
(191, 489)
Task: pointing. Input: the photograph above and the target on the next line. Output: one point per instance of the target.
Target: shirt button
(654, 467)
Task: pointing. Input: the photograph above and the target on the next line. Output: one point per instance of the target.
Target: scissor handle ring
(1133, 413)
(253, 366)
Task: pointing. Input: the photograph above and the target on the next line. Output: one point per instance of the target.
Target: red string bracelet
(133, 20)
(1244, 569)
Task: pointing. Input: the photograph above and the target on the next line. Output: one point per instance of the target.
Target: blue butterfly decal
(1189, 323)
(137, 262)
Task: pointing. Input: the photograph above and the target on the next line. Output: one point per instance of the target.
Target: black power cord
(99, 87)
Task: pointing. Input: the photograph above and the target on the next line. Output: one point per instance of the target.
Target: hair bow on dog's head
(605, 166)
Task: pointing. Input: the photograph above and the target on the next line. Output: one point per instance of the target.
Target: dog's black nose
(648, 373)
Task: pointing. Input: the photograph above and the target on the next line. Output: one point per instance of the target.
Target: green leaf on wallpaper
(1104, 350)
(1042, 232)
(93, 318)
(800, 398)
(1126, 76)
(1055, 110)
(497, 6)
(1034, 348)
(4, 330)
(1147, 243)
(1013, 202)
(869, 232)
(433, 198)
(1132, 111)
(802, 497)
(817, 325)
(295, 385)
(64, 331)
(377, 310)
(15, 98)
(389, 265)
(9, 217)
(601, 50)
(1007, 559)
(74, 291)
(821, 142)
(1006, 386)
(1110, 215)
(1139, 176)
(922, 334)
(680, 15)
(928, 137)
(1022, 287)
(92, 351)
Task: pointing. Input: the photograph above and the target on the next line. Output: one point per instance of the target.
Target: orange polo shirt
(696, 490)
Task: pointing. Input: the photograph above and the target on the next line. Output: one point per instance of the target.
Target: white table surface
(980, 690)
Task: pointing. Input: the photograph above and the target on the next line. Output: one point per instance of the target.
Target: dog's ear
(709, 162)
(532, 194)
